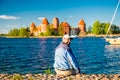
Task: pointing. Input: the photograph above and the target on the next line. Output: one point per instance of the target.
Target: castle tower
(66, 27)
(55, 23)
(82, 27)
(33, 29)
(44, 25)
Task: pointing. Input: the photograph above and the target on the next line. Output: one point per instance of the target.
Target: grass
(48, 71)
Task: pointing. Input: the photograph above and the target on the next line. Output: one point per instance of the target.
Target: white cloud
(40, 18)
(9, 17)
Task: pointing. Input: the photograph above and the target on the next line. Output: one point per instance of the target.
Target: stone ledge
(54, 77)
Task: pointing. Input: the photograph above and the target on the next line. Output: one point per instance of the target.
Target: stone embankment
(54, 77)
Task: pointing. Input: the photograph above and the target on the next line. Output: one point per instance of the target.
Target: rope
(113, 16)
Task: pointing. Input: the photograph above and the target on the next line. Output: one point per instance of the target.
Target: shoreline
(54, 77)
(32, 37)
(89, 35)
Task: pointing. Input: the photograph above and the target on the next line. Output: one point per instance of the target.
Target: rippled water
(34, 55)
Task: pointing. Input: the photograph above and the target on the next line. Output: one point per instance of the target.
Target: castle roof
(65, 24)
(45, 21)
(55, 18)
(81, 22)
(32, 25)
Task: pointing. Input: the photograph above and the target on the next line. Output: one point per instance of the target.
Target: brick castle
(67, 29)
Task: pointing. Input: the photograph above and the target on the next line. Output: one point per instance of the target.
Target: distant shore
(54, 77)
(32, 37)
(89, 35)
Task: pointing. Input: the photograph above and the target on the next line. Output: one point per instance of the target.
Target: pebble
(54, 77)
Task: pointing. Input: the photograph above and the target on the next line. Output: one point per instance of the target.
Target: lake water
(34, 55)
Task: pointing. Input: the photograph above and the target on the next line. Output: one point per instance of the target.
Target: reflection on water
(112, 46)
(112, 54)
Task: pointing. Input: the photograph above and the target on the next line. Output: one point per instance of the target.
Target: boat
(112, 46)
(73, 36)
(111, 40)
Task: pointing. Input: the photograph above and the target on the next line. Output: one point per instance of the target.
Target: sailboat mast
(113, 16)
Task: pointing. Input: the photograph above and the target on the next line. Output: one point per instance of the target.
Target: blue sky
(21, 13)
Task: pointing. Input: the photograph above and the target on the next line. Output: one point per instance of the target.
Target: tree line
(99, 28)
(22, 32)
(25, 32)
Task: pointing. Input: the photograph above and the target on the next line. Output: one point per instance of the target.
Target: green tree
(24, 32)
(102, 28)
(89, 29)
(41, 34)
(114, 29)
(48, 31)
(28, 29)
(96, 27)
(13, 32)
(53, 31)
(106, 27)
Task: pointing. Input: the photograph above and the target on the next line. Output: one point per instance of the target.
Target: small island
(57, 29)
